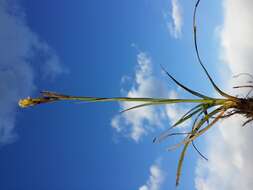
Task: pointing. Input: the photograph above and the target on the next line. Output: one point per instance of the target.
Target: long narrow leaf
(191, 110)
(195, 147)
(195, 130)
(185, 117)
(199, 59)
(208, 126)
(180, 163)
(140, 106)
(166, 133)
(196, 119)
(184, 87)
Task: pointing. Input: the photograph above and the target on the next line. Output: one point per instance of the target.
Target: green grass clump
(206, 112)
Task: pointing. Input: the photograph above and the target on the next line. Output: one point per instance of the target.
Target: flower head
(27, 102)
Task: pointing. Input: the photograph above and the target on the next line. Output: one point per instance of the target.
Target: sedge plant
(206, 112)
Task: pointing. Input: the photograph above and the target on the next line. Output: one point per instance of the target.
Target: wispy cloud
(20, 51)
(156, 178)
(230, 148)
(52, 67)
(176, 19)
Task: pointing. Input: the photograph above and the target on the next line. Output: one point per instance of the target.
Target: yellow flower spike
(27, 102)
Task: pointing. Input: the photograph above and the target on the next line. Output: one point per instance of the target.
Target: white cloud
(155, 180)
(20, 50)
(230, 148)
(139, 122)
(176, 24)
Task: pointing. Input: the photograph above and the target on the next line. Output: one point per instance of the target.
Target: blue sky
(109, 48)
